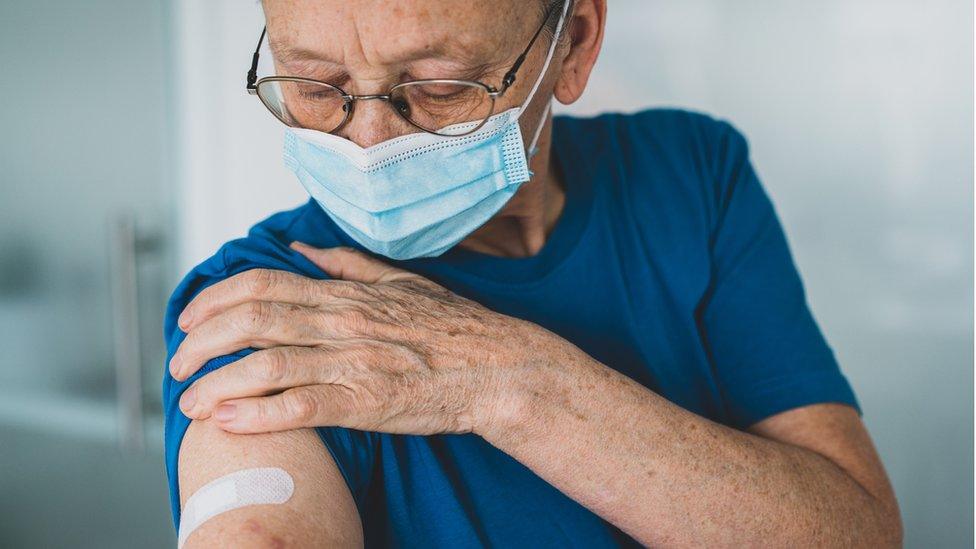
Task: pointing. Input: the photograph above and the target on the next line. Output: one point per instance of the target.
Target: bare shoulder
(320, 512)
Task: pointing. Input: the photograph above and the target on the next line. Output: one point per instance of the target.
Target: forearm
(671, 478)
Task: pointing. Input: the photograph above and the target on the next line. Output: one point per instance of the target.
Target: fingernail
(299, 244)
(175, 363)
(188, 399)
(225, 412)
(185, 317)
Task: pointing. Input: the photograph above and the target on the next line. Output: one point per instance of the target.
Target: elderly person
(489, 326)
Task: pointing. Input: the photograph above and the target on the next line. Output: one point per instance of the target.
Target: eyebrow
(284, 52)
(306, 59)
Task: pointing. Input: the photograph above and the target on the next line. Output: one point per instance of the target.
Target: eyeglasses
(442, 106)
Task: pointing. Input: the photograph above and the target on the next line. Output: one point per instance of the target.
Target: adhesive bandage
(260, 486)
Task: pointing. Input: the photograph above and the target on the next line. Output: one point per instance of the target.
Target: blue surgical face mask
(419, 194)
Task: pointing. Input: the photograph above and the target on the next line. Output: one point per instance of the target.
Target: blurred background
(130, 152)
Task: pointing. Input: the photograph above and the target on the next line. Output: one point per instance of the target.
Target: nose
(373, 121)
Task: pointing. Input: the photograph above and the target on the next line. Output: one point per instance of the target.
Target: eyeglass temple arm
(252, 74)
(509, 77)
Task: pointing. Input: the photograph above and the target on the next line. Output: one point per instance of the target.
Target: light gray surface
(860, 119)
(67, 491)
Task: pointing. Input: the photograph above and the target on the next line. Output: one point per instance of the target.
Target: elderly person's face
(366, 46)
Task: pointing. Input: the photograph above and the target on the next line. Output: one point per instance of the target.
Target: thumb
(350, 264)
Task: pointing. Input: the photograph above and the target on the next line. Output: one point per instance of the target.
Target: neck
(523, 226)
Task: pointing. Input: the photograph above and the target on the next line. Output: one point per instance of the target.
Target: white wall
(860, 117)
(229, 146)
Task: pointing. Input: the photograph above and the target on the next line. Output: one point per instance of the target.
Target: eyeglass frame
(252, 83)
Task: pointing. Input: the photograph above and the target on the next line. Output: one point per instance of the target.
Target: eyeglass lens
(433, 106)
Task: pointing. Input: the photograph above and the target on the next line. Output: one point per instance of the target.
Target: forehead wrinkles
(391, 33)
(401, 33)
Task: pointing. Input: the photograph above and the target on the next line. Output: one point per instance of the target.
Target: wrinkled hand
(376, 348)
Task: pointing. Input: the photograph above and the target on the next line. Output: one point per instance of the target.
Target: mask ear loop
(545, 66)
(533, 149)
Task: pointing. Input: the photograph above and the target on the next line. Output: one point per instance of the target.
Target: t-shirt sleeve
(768, 352)
(352, 450)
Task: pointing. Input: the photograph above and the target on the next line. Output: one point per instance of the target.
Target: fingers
(351, 264)
(309, 406)
(258, 324)
(348, 384)
(259, 285)
(263, 373)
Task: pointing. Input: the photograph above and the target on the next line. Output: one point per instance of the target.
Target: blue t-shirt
(668, 264)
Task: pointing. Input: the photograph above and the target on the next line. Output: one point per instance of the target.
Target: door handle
(126, 342)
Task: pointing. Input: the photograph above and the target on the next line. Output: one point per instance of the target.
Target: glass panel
(71, 176)
(85, 269)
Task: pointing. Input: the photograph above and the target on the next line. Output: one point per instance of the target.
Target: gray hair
(554, 7)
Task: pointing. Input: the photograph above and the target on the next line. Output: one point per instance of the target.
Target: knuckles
(303, 406)
(423, 325)
(254, 318)
(274, 366)
(258, 283)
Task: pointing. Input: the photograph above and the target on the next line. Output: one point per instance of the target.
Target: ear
(585, 33)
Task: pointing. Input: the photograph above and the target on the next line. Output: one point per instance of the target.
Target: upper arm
(320, 512)
(327, 464)
(837, 433)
